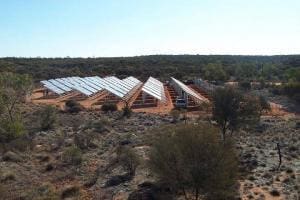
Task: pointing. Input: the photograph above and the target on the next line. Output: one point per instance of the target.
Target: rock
(42, 157)
(49, 167)
(117, 180)
(12, 157)
(125, 142)
(54, 147)
(148, 123)
(70, 191)
(8, 176)
(68, 142)
(93, 145)
(146, 191)
(90, 182)
(141, 127)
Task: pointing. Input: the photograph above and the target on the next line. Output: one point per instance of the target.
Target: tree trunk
(197, 194)
(184, 193)
(224, 132)
(279, 155)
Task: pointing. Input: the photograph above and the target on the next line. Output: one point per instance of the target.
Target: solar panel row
(155, 88)
(91, 85)
(187, 90)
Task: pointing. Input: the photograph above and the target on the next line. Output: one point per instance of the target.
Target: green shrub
(275, 193)
(101, 125)
(175, 115)
(193, 159)
(73, 106)
(43, 192)
(84, 139)
(72, 156)
(128, 159)
(276, 90)
(11, 130)
(70, 191)
(22, 144)
(109, 107)
(292, 90)
(126, 111)
(245, 85)
(48, 118)
(264, 104)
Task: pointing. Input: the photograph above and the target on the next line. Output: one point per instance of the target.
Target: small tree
(215, 72)
(264, 104)
(11, 130)
(231, 109)
(128, 159)
(245, 85)
(48, 118)
(226, 103)
(72, 156)
(249, 112)
(13, 91)
(192, 159)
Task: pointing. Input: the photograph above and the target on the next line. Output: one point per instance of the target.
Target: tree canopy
(13, 91)
(193, 161)
(232, 109)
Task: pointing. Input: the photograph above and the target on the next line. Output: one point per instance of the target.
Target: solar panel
(61, 80)
(52, 87)
(92, 85)
(155, 88)
(127, 83)
(120, 87)
(116, 85)
(101, 82)
(82, 90)
(121, 83)
(188, 90)
(131, 81)
(135, 80)
(124, 83)
(152, 90)
(60, 85)
(79, 86)
(80, 83)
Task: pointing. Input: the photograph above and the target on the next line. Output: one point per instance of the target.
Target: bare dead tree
(279, 155)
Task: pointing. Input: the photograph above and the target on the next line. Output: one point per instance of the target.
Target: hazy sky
(59, 28)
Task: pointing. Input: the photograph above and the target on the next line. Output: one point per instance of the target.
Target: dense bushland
(212, 67)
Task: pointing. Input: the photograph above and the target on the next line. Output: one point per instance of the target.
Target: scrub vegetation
(237, 149)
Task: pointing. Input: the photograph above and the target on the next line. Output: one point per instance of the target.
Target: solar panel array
(188, 90)
(91, 85)
(155, 88)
